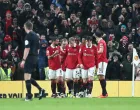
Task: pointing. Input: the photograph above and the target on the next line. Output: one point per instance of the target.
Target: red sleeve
(100, 45)
(96, 57)
(48, 52)
(80, 56)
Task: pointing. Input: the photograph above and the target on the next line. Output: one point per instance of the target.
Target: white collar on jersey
(74, 45)
(99, 39)
(88, 47)
(53, 46)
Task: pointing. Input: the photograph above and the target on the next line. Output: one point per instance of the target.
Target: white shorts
(53, 74)
(64, 72)
(102, 66)
(88, 73)
(72, 73)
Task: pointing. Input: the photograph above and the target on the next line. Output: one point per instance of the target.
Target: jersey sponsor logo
(26, 42)
(72, 54)
(85, 54)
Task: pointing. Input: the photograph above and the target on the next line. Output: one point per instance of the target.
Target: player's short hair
(89, 38)
(54, 39)
(98, 34)
(28, 25)
(63, 40)
(71, 39)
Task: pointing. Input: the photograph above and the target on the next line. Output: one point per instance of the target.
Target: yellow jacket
(3, 75)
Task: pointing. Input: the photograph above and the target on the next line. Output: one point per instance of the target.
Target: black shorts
(30, 64)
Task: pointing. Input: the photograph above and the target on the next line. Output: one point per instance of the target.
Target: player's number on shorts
(60, 72)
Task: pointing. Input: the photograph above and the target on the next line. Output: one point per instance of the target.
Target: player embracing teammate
(70, 62)
(88, 61)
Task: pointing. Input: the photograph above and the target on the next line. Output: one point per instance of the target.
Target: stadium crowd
(118, 19)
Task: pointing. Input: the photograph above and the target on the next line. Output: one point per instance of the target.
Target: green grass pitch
(71, 104)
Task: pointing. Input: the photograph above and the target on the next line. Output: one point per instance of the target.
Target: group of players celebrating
(76, 64)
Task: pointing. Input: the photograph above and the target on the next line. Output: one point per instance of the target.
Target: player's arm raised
(101, 48)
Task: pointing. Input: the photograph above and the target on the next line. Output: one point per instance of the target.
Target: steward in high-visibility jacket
(5, 75)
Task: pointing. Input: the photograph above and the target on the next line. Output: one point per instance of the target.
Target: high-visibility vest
(4, 76)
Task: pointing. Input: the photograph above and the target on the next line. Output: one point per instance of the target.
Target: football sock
(70, 86)
(80, 82)
(53, 87)
(64, 89)
(103, 85)
(71, 83)
(34, 83)
(90, 86)
(58, 88)
(75, 88)
(28, 86)
(84, 86)
(60, 85)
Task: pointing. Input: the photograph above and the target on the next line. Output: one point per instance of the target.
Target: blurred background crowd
(118, 19)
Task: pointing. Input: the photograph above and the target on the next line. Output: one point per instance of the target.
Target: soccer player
(102, 62)
(88, 62)
(55, 72)
(72, 70)
(62, 50)
(29, 60)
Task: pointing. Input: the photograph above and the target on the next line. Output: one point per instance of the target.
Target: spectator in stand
(123, 46)
(5, 71)
(65, 28)
(138, 73)
(113, 70)
(7, 50)
(14, 59)
(8, 20)
(126, 68)
(137, 37)
(42, 60)
(120, 32)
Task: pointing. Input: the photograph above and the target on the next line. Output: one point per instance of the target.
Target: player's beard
(56, 44)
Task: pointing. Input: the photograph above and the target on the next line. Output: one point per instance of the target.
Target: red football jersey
(72, 56)
(54, 63)
(88, 56)
(62, 53)
(103, 56)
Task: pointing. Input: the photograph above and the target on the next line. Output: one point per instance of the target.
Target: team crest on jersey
(47, 52)
(79, 50)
